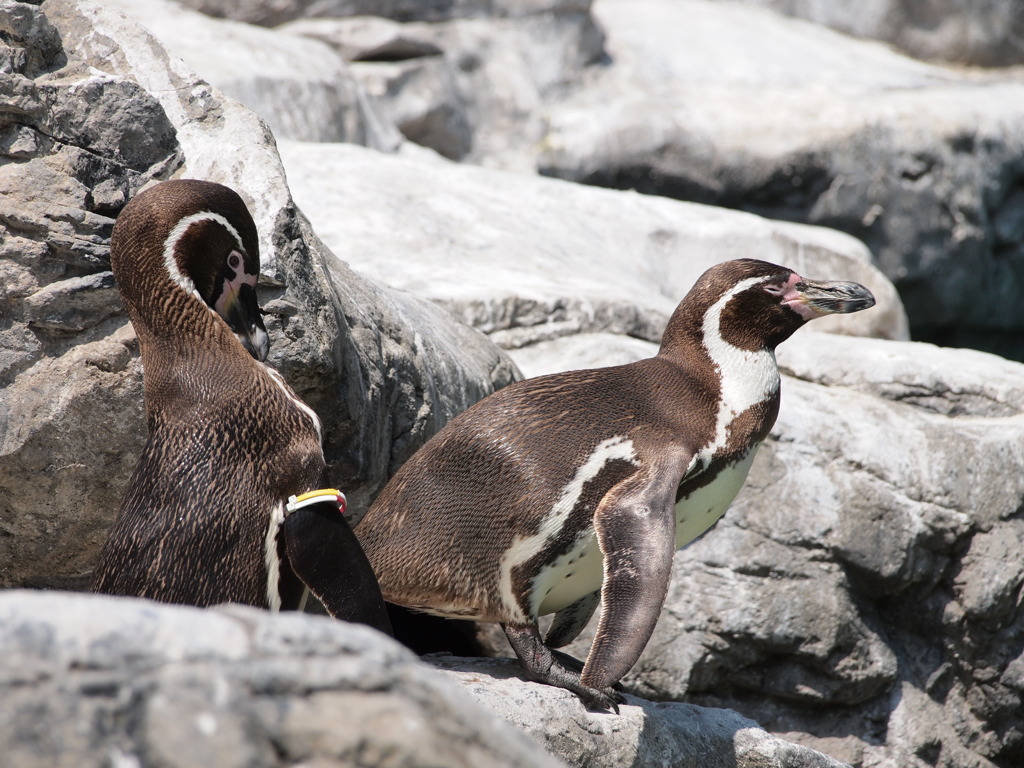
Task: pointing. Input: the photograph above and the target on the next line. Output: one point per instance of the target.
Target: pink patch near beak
(795, 300)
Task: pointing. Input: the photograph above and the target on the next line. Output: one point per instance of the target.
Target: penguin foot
(574, 664)
(542, 665)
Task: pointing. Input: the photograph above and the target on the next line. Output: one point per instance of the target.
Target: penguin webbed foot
(575, 665)
(544, 665)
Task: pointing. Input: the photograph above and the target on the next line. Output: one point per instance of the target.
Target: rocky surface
(470, 88)
(643, 733)
(276, 12)
(589, 261)
(982, 34)
(737, 106)
(96, 110)
(723, 103)
(450, 77)
(864, 595)
(302, 88)
(98, 681)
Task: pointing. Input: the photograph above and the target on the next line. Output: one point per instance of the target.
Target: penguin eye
(775, 290)
(233, 260)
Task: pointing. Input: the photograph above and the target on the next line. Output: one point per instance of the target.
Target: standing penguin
(563, 492)
(218, 508)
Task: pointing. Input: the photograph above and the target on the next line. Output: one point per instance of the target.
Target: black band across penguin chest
(567, 562)
(717, 473)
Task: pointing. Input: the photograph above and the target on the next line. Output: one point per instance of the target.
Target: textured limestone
(588, 260)
(97, 681)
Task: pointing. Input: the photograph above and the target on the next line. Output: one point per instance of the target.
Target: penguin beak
(813, 298)
(241, 311)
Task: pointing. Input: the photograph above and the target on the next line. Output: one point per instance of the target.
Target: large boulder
(301, 87)
(93, 681)
(96, 681)
(734, 105)
(984, 34)
(98, 109)
(586, 261)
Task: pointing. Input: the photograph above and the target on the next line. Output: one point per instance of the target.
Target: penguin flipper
(570, 621)
(325, 554)
(636, 528)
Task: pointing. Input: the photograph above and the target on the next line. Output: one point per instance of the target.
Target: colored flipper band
(317, 497)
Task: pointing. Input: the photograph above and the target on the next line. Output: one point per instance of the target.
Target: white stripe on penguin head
(178, 231)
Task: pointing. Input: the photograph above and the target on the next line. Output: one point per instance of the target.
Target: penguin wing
(635, 524)
(316, 537)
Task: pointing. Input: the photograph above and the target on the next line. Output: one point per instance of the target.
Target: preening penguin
(206, 518)
(563, 492)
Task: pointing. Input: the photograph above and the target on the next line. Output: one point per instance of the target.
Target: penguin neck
(745, 374)
(683, 339)
(177, 331)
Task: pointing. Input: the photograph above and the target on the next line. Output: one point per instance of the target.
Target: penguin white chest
(566, 579)
(698, 511)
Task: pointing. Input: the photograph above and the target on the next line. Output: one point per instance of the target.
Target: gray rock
(469, 88)
(74, 304)
(299, 86)
(271, 13)
(421, 98)
(980, 34)
(383, 369)
(368, 38)
(644, 733)
(98, 681)
(863, 594)
(590, 261)
(734, 105)
(511, 71)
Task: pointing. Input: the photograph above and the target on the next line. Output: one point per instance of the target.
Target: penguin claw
(543, 665)
(605, 699)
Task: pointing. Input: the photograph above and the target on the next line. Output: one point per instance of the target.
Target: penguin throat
(746, 377)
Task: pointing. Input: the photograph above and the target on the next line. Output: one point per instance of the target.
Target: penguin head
(200, 236)
(755, 305)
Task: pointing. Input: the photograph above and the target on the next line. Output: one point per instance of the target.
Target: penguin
(227, 503)
(565, 492)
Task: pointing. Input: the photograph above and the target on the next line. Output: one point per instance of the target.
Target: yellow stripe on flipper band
(320, 492)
